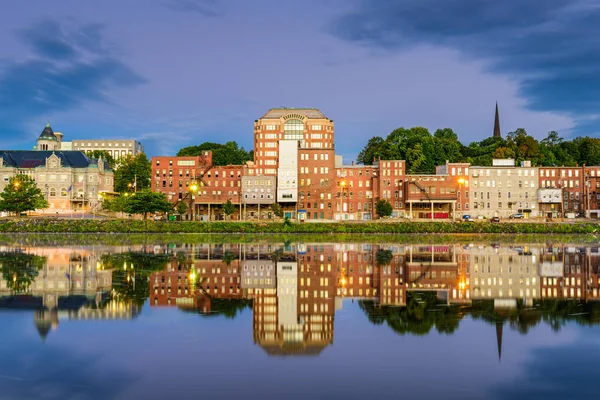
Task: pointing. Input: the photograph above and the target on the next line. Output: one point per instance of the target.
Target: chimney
(353, 163)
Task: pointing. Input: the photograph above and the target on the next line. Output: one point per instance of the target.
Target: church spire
(499, 326)
(497, 123)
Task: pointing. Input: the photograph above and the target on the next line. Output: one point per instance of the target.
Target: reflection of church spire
(497, 123)
(499, 325)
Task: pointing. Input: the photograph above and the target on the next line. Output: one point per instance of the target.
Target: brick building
(203, 186)
(297, 146)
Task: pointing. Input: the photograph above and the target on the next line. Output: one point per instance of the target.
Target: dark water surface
(295, 320)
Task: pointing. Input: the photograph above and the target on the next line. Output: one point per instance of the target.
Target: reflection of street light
(193, 188)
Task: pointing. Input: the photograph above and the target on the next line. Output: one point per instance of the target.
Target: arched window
(63, 192)
(52, 192)
(293, 129)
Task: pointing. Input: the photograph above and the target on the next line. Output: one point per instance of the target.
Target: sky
(174, 73)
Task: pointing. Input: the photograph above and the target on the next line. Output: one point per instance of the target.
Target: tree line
(423, 151)
(229, 153)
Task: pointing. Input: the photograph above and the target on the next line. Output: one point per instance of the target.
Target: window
(293, 129)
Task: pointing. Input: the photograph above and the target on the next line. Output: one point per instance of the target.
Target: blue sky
(173, 73)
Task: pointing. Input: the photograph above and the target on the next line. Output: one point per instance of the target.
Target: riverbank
(28, 225)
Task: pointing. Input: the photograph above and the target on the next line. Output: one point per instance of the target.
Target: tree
(222, 154)
(116, 204)
(19, 270)
(145, 202)
(228, 208)
(102, 154)
(181, 207)
(277, 210)
(447, 146)
(383, 208)
(133, 171)
(21, 195)
(371, 151)
(384, 257)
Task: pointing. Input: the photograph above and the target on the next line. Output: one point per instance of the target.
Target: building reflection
(294, 290)
(68, 284)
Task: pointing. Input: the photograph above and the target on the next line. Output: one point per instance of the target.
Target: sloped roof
(34, 159)
(47, 133)
(276, 113)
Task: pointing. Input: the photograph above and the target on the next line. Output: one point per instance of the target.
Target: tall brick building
(297, 146)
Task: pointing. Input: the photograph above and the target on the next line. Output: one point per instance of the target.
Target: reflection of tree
(229, 308)
(418, 317)
(384, 257)
(131, 273)
(19, 269)
(229, 257)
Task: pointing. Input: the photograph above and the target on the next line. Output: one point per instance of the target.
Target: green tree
(383, 208)
(371, 151)
(21, 195)
(181, 207)
(116, 204)
(222, 154)
(145, 202)
(277, 210)
(447, 146)
(228, 208)
(133, 171)
(102, 154)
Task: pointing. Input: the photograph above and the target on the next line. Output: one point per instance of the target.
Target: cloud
(67, 67)
(549, 47)
(541, 379)
(208, 8)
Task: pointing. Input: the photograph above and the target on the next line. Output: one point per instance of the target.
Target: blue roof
(34, 159)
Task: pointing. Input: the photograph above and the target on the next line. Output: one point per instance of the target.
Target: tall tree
(371, 151)
(133, 173)
(21, 195)
(447, 146)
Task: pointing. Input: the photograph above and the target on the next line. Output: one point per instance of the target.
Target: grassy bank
(135, 226)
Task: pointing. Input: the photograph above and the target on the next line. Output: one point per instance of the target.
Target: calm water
(299, 320)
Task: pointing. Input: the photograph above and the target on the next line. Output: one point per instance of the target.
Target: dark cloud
(208, 8)
(67, 68)
(550, 47)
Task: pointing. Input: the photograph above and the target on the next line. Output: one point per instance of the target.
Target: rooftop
(47, 133)
(34, 159)
(276, 113)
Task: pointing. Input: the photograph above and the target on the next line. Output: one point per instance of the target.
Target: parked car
(467, 218)
(495, 219)
(517, 216)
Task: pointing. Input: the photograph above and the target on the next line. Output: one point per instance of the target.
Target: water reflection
(294, 289)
